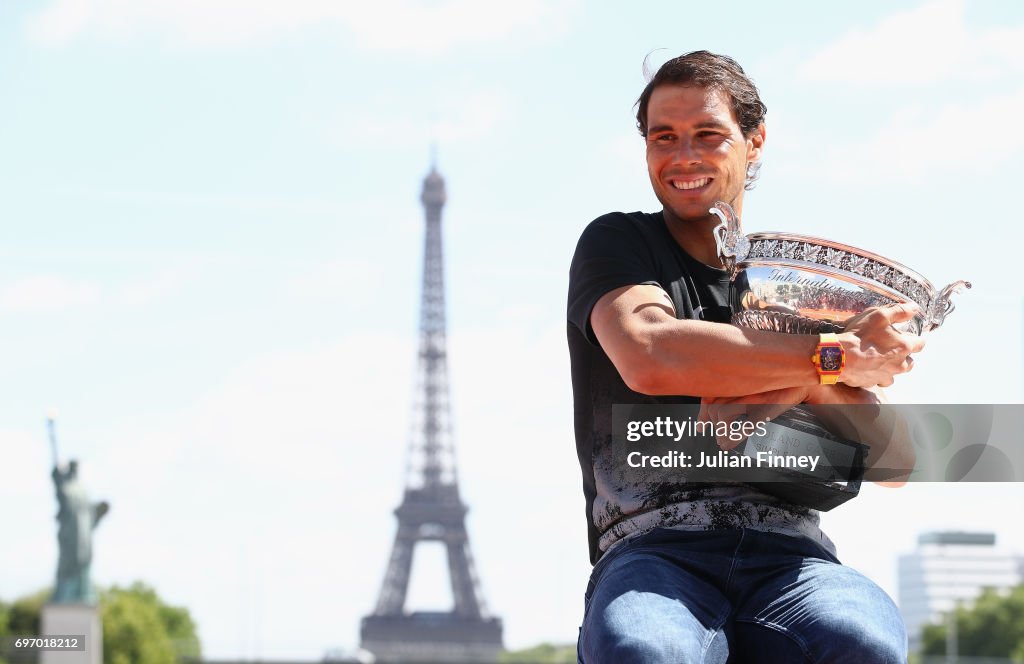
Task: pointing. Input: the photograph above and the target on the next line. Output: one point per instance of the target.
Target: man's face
(696, 152)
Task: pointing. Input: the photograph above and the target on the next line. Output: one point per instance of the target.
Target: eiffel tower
(431, 509)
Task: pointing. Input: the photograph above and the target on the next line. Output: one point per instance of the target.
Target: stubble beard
(691, 219)
(699, 214)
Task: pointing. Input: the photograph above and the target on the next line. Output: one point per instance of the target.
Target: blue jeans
(736, 596)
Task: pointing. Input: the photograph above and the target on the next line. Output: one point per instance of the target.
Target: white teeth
(690, 185)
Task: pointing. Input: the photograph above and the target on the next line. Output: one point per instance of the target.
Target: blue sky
(211, 245)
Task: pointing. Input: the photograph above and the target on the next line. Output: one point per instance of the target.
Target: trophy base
(831, 481)
(818, 496)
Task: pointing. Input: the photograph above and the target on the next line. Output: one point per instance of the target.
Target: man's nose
(686, 152)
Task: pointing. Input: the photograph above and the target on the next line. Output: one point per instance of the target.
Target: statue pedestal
(67, 619)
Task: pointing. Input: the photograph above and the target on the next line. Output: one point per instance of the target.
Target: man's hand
(769, 405)
(751, 407)
(876, 351)
(891, 457)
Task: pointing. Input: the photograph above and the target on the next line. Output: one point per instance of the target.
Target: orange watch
(829, 359)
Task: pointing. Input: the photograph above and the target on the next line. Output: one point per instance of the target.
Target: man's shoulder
(627, 219)
(618, 227)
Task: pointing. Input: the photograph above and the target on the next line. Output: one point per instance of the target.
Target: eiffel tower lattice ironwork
(431, 508)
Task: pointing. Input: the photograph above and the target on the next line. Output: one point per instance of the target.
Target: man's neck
(696, 236)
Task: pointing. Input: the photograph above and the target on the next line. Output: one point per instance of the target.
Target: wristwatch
(829, 359)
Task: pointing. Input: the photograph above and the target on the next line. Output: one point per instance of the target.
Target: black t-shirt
(624, 249)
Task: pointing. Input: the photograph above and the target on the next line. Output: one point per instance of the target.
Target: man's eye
(711, 136)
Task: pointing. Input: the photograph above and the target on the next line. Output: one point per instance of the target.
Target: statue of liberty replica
(72, 608)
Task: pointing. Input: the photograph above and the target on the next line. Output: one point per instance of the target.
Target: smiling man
(708, 572)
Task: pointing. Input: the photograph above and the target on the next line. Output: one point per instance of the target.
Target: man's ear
(755, 144)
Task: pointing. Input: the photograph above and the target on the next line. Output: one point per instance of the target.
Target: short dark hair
(703, 69)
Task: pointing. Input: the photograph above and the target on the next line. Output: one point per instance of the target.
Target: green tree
(4, 611)
(545, 653)
(138, 628)
(992, 627)
(23, 614)
(21, 617)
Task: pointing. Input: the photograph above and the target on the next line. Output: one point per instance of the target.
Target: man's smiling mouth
(691, 184)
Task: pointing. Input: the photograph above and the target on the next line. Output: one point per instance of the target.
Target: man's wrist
(829, 358)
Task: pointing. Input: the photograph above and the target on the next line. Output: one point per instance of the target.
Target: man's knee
(833, 640)
(605, 647)
(844, 617)
(881, 641)
(880, 638)
(642, 628)
(877, 648)
(874, 628)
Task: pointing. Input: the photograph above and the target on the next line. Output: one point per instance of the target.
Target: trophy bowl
(798, 284)
(806, 285)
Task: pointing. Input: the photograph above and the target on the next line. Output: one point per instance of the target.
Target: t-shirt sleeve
(610, 254)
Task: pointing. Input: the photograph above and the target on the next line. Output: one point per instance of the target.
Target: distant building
(951, 567)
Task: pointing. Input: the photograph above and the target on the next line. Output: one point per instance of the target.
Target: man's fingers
(769, 411)
(769, 405)
(713, 411)
(759, 406)
(900, 312)
(907, 364)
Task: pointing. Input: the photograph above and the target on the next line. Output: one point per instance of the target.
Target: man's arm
(851, 412)
(657, 354)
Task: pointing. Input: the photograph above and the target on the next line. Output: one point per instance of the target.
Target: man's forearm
(718, 360)
(659, 354)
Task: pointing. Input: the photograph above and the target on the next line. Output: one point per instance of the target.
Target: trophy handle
(942, 306)
(732, 244)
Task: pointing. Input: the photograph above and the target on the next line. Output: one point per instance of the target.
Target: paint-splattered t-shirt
(624, 249)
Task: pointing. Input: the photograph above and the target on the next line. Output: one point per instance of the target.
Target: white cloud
(467, 116)
(334, 278)
(153, 288)
(47, 293)
(973, 139)
(907, 133)
(386, 25)
(927, 45)
(472, 117)
(628, 148)
(50, 293)
(240, 202)
(30, 548)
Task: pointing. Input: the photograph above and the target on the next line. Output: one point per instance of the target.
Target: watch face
(831, 358)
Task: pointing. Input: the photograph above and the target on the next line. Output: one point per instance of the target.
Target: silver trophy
(798, 284)
(805, 285)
